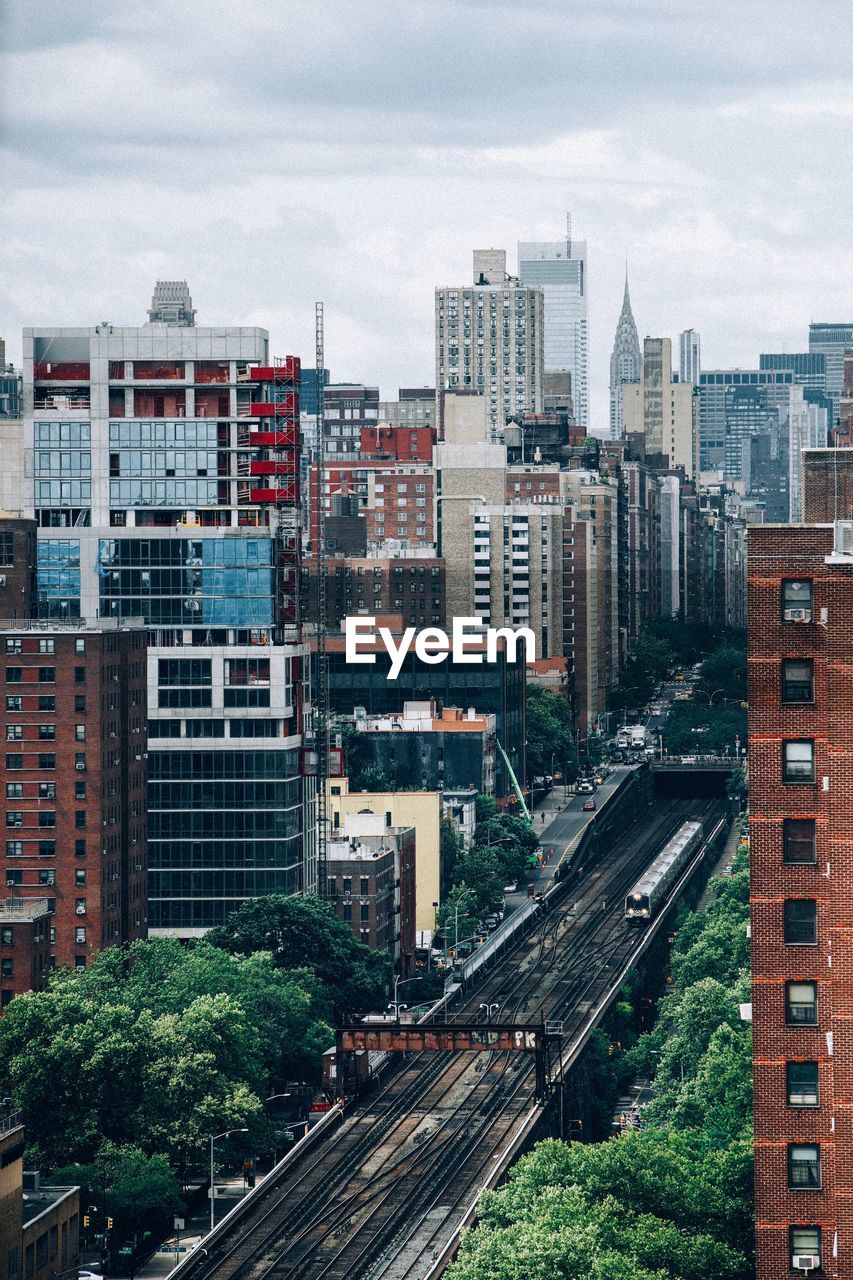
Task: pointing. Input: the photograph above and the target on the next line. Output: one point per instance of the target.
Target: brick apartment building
(801, 764)
(74, 779)
(372, 884)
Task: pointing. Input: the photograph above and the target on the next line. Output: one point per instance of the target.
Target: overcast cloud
(274, 152)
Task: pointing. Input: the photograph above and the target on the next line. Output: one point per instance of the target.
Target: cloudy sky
(274, 152)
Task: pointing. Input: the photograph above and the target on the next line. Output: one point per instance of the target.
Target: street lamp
(395, 1003)
(709, 696)
(215, 1138)
(490, 1009)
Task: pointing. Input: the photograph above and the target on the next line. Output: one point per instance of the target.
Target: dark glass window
(797, 680)
(798, 761)
(797, 600)
(800, 921)
(799, 843)
(805, 1242)
(802, 1084)
(803, 1166)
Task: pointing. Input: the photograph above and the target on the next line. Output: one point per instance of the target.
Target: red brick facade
(74, 780)
(787, 876)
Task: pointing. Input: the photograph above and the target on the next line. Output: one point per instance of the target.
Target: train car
(642, 903)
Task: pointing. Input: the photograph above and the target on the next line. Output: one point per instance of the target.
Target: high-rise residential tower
(626, 363)
(801, 864)
(689, 356)
(165, 474)
(489, 340)
(559, 269)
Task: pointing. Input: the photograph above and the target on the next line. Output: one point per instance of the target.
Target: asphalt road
(568, 824)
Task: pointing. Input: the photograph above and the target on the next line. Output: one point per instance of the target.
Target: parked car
(589, 805)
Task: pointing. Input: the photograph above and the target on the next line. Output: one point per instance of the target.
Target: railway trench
(384, 1194)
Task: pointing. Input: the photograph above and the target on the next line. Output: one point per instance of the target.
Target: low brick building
(371, 884)
(24, 946)
(39, 1225)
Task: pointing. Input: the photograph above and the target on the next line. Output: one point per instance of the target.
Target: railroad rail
(382, 1192)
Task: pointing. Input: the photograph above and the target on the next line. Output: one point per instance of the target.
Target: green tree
(457, 915)
(136, 1189)
(550, 733)
(305, 933)
(480, 870)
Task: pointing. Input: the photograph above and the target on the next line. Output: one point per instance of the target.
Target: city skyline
(330, 202)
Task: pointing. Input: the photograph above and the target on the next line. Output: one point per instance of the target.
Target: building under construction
(165, 485)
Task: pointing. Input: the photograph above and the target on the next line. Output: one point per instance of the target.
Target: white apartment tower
(689, 357)
(559, 269)
(489, 340)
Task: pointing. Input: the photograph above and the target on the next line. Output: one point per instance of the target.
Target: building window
(14, 702)
(47, 877)
(47, 732)
(14, 790)
(802, 1084)
(798, 761)
(47, 761)
(797, 600)
(803, 1166)
(805, 1242)
(364, 886)
(80, 703)
(47, 790)
(800, 921)
(79, 848)
(365, 913)
(14, 733)
(80, 935)
(47, 848)
(14, 645)
(80, 733)
(47, 675)
(347, 912)
(80, 907)
(79, 962)
(8, 967)
(79, 645)
(14, 762)
(801, 1004)
(14, 818)
(14, 848)
(14, 675)
(797, 680)
(47, 702)
(47, 646)
(80, 875)
(6, 937)
(79, 675)
(80, 819)
(799, 844)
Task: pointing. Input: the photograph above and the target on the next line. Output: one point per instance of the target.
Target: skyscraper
(689, 356)
(559, 269)
(665, 413)
(164, 462)
(832, 340)
(626, 363)
(488, 339)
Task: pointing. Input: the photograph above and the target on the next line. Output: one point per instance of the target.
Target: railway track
(377, 1200)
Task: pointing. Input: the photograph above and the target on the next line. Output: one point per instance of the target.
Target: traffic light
(109, 1224)
(86, 1221)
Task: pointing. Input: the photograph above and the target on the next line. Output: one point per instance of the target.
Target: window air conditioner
(805, 1262)
(798, 615)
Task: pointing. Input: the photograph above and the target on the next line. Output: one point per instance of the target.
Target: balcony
(64, 402)
(260, 467)
(287, 439)
(287, 493)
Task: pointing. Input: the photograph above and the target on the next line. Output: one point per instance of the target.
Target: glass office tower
(558, 268)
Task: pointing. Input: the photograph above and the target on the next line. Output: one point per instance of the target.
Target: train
(642, 903)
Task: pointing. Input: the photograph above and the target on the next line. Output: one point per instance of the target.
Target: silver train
(651, 889)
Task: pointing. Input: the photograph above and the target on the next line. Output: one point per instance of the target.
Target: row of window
(46, 732)
(216, 728)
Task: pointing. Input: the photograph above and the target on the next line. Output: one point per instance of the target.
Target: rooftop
(40, 1199)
